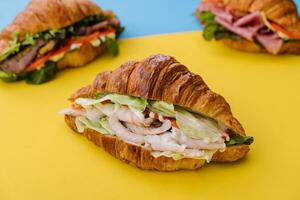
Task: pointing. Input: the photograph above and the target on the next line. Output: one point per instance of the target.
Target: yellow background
(41, 158)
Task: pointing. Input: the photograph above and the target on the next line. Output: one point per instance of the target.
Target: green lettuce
(112, 46)
(105, 125)
(8, 77)
(42, 75)
(213, 30)
(82, 123)
(239, 139)
(196, 127)
(14, 47)
(134, 103)
(162, 107)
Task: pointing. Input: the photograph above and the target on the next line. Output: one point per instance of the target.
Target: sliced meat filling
(250, 26)
(147, 129)
(19, 62)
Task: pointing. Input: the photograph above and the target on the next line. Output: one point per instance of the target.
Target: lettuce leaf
(14, 47)
(42, 75)
(196, 127)
(105, 125)
(162, 107)
(112, 46)
(82, 123)
(8, 77)
(239, 139)
(134, 103)
(213, 30)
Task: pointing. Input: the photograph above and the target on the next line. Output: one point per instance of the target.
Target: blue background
(140, 17)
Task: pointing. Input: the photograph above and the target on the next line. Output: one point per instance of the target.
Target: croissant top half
(282, 12)
(161, 77)
(42, 15)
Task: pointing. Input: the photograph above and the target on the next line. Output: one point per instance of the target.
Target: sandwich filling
(161, 127)
(34, 58)
(222, 23)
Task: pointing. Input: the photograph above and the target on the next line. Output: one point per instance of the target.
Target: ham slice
(272, 42)
(250, 26)
(221, 13)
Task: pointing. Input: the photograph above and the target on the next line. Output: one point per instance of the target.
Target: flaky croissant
(282, 17)
(160, 77)
(42, 21)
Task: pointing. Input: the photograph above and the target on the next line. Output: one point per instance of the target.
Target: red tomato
(79, 40)
(279, 28)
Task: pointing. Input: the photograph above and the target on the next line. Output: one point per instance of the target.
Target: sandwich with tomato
(157, 115)
(252, 25)
(51, 35)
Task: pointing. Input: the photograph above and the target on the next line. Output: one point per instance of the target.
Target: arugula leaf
(119, 30)
(30, 39)
(210, 31)
(112, 46)
(238, 139)
(12, 77)
(213, 30)
(207, 17)
(42, 75)
(8, 77)
(14, 46)
(225, 34)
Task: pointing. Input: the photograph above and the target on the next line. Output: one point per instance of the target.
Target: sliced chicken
(123, 113)
(123, 133)
(142, 130)
(196, 143)
(94, 114)
(164, 142)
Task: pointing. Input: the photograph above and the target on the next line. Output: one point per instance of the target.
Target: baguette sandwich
(51, 35)
(271, 26)
(157, 115)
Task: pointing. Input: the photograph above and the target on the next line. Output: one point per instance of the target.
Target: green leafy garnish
(14, 46)
(42, 75)
(8, 77)
(213, 30)
(119, 30)
(210, 31)
(207, 17)
(100, 95)
(238, 139)
(112, 46)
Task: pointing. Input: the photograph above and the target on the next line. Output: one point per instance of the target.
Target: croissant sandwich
(271, 26)
(51, 35)
(157, 115)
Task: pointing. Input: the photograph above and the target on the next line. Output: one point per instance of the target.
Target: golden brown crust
(135, 155)
(231, 154)
(161, 77)
(80, 57)
(283, 12)
(41, 15)
(292, 47)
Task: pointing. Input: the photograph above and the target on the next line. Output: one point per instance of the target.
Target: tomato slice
(281, 29)
(79, 40)
(173, 121)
